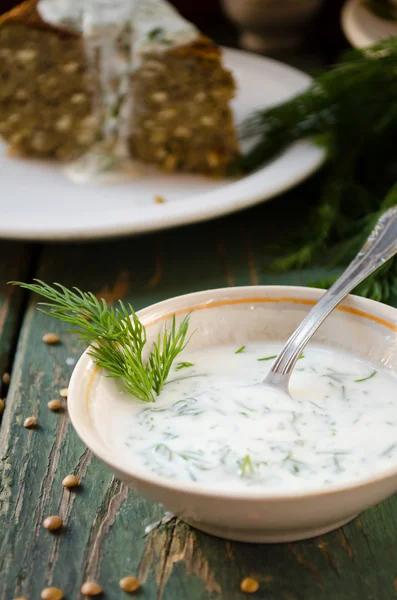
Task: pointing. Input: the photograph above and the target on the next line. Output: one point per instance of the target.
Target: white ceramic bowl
(236, 315)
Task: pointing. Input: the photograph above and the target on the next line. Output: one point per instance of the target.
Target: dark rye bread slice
(181, 119)
(45, 87)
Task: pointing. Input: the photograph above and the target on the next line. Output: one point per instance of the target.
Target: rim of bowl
(163, 309)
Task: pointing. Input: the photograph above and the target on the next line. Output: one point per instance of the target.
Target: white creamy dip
(215, 425)
(157, 25)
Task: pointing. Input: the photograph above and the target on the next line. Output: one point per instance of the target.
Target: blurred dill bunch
(351, 111)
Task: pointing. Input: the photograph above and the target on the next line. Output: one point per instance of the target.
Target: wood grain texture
(16, 261)
(104, 522)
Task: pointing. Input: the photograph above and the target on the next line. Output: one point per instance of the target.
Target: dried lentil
(249, 585)
(51, 593)
(129, 584)
(91, 588)
(70, 481)
(30, 422)
(51, 338)
(53, 523)
(54, 404)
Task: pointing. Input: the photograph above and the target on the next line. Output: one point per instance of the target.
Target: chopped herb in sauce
(240, 350)
(164, 450)
(156, 33)
(389, 450)
(366, 378)
(246, 466)
(183, 365)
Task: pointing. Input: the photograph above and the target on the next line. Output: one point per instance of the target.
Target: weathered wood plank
(16, 260)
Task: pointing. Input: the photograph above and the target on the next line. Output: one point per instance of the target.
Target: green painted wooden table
(104, 534)
(104, 538)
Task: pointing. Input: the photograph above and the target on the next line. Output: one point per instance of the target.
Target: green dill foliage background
(351, 111)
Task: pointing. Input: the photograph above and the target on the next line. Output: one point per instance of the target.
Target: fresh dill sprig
(165, 350)
(116, 336)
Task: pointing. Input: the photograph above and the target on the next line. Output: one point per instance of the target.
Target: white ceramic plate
(38, 202)
(363, 28)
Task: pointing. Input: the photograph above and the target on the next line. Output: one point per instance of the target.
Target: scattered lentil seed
(200, 96)
(14, 118)
(160, 153)
(70, 67)
(30, 422)
(207, 121)
(182, 132)
(78, 98)
(64, 123)
(55, 404)
(91, 588)
(39, 141)
(51, 338)
(26, 55)
(2, 403)
(129, 584)
(21, 94)
(53, 523)
(6, 378)
(63, 392)
(70, 481)
(159, 199)
(51, 593)
(249, 585)
(159, 97)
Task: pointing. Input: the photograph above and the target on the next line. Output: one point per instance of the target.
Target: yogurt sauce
(214, 425)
